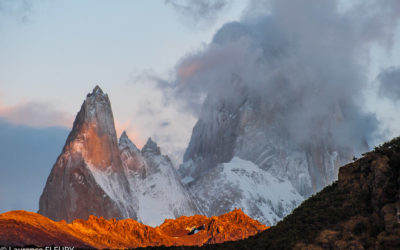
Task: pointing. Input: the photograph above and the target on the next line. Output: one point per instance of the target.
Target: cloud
(26, 157)
(198, 12)
(301, 62)
(36, 114)
(166, 123)
(153, 114)
(18, 9)
(390, 83)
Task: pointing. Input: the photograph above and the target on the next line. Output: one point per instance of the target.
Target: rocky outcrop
(20, 228)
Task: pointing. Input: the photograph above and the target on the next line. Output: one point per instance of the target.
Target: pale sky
(54, 52)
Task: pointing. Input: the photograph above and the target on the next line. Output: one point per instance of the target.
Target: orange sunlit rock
(21, 228)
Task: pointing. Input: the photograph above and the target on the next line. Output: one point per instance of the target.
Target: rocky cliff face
(20, 228)
(241, 183)
(98, 175)
(248, 130)
(88, 177)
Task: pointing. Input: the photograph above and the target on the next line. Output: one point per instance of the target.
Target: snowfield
(242, 184)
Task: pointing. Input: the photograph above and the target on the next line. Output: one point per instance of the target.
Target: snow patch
(153, 180)
(242, 184)
(160, 194)
(109, 181)
(186, 180)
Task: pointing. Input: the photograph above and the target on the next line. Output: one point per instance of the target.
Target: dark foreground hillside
(359, 211)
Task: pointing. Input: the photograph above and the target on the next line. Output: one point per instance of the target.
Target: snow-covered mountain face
(159, 192)
(238, 157)
(97, 175)
(266, 91)
(242, 184)
(266, 157)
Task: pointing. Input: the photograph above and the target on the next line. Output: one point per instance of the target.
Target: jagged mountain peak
(151, 147)
(96, 104)
(160, 193)
(88, 177)
(96, 112)
(125, 142)
(124, 135)
(96, 91)
(97, 107)
(93, 133)
(97, 174)
(97, 96)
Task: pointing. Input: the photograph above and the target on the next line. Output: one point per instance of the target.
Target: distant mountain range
(235, 159)
(242, 146)
(98, 175)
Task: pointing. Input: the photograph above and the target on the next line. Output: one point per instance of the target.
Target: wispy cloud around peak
(303, 60)
(36, 114)
(198, 12)
(390, 83)
(18, 9)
